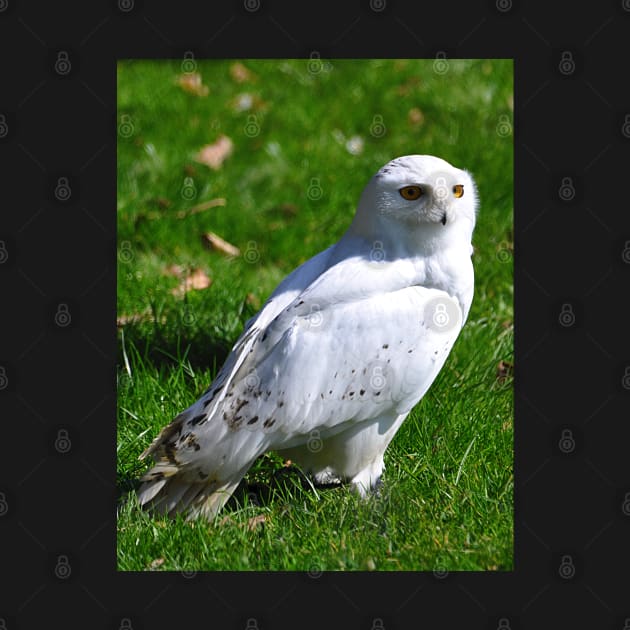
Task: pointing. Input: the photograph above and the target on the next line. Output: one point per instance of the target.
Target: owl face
(422, 189)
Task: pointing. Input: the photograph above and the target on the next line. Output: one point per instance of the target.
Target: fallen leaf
(173, 270)
(196, 280)
(505, 371)
(240, 73)
(136, 318)
(158, 562)
(255, 521)
(410, 85)
(206, 205)
(252, 300)
(213, 155)
(415, 116)
(215, 242)
(193, 84)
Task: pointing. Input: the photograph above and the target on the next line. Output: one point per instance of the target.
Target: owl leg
(368, 480)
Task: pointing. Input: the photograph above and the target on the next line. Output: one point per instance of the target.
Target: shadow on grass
(287, 482)
(170, 346)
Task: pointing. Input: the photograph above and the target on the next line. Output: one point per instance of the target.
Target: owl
(343, 349)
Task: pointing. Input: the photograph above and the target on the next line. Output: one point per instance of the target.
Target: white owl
(339, 354)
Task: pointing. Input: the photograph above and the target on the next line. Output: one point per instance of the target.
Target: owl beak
(443, 221)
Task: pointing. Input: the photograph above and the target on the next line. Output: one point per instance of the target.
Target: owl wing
(334, 355)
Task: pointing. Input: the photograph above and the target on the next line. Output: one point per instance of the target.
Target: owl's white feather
(339, 354)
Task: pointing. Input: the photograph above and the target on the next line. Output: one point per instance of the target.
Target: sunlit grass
(447, 498)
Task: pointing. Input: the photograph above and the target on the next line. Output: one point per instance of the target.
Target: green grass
(447, 499)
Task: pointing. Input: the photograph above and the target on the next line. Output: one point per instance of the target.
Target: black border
(569, 502)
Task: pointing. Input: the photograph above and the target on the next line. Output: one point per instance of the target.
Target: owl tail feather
(174, 495)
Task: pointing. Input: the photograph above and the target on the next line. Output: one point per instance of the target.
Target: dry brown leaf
(173, 270)
(256, 521)
(196, 280)
(252, 300)
(213, 155)
(415, 116)
(215, 242)
(206, 205)
(158, 562)
(193, 84)
(136, 318)
(240, 73)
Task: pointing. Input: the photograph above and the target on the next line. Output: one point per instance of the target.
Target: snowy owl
(340, 353)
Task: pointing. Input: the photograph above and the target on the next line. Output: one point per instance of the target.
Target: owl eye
(411, 193)
(458, 190)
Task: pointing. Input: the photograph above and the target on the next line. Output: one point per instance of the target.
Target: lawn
(289, 145)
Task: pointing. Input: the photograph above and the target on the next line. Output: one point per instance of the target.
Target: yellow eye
(458, 190)
(411, 193)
